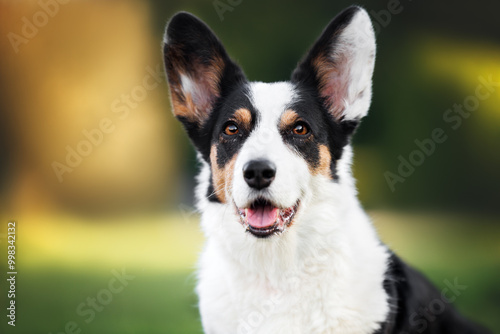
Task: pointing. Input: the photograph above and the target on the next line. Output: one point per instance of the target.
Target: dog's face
(268, 146)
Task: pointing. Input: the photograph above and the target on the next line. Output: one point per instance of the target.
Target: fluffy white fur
(325, 273)
(358, 39)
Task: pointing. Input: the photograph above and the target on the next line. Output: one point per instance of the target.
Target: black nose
(259, 174)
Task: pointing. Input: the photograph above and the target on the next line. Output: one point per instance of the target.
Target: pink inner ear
(334, 77)
(209, 90)
(201, 88)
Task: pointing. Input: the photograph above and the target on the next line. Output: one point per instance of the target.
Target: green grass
(62, 261)
(151, 303)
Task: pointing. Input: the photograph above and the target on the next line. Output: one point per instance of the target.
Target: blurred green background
(124, 208)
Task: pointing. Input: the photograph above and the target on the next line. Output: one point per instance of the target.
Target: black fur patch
(412, 298)
(191, 44)
(325, 130)
(227, 147)
(193, 49)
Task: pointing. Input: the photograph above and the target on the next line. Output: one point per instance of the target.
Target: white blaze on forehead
(270, 101)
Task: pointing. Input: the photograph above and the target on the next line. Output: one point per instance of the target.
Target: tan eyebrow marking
(243, 116)
(288, 118)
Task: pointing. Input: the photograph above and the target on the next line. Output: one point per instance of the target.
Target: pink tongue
(262, 217)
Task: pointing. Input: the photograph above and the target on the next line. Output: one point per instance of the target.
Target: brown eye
(231, 129)
(301, 129)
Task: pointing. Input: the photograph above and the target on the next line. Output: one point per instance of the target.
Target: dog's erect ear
(198, 68)
(340, 64)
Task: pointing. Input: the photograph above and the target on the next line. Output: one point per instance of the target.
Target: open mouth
(263, 218)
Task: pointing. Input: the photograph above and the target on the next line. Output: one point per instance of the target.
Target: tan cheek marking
(222, 178)
(288, 119)
(244, 117)
(325, 160)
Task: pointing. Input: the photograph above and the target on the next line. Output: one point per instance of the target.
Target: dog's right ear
(339, 66)
(199, 71)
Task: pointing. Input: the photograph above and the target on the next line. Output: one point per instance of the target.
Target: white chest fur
(324, 275)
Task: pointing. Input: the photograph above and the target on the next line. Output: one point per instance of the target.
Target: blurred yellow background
(98, 175)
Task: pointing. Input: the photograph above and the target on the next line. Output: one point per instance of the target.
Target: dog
(289, 248)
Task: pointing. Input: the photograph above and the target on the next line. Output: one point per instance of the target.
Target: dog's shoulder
(417, 306)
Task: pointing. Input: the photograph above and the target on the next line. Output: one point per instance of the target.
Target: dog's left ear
(340, 64)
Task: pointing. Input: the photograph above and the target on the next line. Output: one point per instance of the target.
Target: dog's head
(269, 148)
